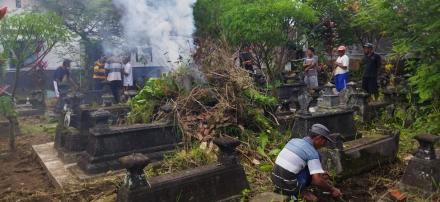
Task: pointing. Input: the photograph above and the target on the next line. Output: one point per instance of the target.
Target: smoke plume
(164, 25)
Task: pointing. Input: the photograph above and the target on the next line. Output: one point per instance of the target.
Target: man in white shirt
(341, 71)
(128, 74)
(298, 165)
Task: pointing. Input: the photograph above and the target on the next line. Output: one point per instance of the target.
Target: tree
(93, 21)
(7, 110)
(414, 28)
(26, 39)
(351, 24)
(268, 26)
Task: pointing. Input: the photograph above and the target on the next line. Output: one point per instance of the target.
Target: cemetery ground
(23, 179)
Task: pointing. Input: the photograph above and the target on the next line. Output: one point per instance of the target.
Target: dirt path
(20, 172)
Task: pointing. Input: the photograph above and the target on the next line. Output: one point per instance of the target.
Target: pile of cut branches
(225, 102)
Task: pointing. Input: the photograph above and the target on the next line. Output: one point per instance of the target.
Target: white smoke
(164, 25)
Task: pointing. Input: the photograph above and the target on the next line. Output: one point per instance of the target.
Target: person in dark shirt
(371, 63)
(62, 83)
(246, 59)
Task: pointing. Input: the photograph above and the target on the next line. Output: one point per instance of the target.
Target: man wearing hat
(371, 63)
(298, 165)
(341, 70)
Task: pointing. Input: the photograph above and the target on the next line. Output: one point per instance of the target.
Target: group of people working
(115, 72)
(371, 64)
(298, 165)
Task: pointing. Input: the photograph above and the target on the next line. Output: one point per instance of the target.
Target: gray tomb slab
(71, 141)
(107, 144)
(339, 121)
(358, 156)
(222, 181)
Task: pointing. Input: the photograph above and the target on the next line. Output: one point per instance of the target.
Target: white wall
(63, 51)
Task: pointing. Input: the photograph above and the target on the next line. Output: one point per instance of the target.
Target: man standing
(371, 63)
(62, 83)
(128, 74)
(311, 69)
(298, 165)
(341, 70)
(99, 73)
(114, 68)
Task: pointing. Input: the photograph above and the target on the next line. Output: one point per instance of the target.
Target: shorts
(341, 81)
(311, 81)
(369, 84)
(288, 183)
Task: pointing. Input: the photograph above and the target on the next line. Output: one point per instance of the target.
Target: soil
(20, 172)
(23, 179)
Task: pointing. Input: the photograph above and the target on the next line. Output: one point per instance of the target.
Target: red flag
(3, 11)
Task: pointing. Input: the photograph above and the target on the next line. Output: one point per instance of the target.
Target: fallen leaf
(397, 195)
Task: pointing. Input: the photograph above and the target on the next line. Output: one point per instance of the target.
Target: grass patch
(182, 160)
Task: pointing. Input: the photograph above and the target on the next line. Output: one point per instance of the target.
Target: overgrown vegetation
(182, 160)
(28, 37)
(7, 110)
(155, 92)
(270, 28)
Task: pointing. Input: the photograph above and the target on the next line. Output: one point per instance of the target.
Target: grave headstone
(107, 100)
(328, 100)
(423, 171)
(304, 102)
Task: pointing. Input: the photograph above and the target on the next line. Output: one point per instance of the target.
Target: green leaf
(266, 167)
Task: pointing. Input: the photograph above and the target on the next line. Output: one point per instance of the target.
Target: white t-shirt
(293, 163)
(128, 77)
(345, 61)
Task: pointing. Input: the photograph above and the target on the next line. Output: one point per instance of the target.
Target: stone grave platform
(269, 196)
(221, 181)
(351, 158)
(337, 121)
(25, 110)
(63, 175)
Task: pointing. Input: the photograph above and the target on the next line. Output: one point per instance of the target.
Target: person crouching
(298, 166)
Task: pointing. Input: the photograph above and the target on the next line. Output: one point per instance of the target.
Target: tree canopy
(265, 25)
(28, 37)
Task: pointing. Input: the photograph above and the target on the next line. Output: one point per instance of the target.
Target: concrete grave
(338, 121)
(423, 171)
(290, 92)
(106, 144)
(223, 181)
(357, 156)
(338, 118)
(26, 110)
(328, 99)
(358, 101)
(72, 132)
